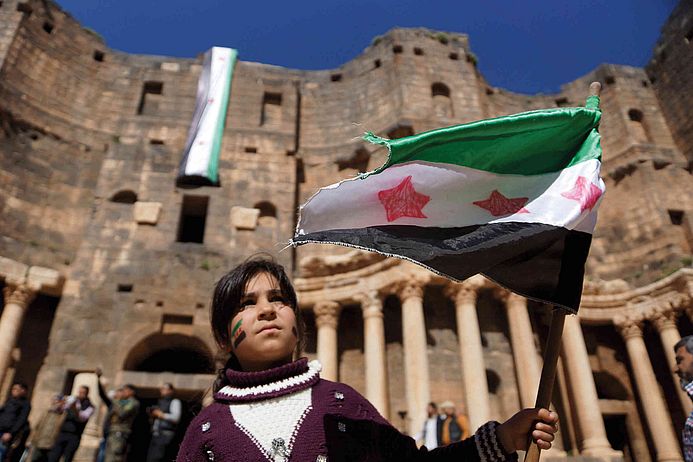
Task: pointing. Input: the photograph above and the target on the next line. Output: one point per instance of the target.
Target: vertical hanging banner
(200, 163)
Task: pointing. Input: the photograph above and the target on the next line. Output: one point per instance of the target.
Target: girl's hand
(513, 433)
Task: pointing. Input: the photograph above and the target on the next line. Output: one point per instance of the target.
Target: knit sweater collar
(270, 383)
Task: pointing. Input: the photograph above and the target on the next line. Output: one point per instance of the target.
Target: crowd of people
(58, 433)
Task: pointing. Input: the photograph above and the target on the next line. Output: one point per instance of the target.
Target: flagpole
(551, 351)
(548, 373)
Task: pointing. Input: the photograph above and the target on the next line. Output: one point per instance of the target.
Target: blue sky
(530, 46)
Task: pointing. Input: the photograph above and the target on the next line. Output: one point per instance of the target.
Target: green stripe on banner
(213, 167)
(529, 143)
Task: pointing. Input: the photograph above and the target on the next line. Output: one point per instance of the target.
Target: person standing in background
(166, 417)
(78, 409)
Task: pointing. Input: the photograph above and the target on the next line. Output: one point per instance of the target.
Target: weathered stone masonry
(105, 263)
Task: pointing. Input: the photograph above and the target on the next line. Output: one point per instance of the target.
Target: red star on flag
(403, 201)
(585, 192)
(500, 205)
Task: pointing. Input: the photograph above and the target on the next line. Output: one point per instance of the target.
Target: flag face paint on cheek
(237, 334)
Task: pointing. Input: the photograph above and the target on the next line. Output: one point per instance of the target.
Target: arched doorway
(185, 361)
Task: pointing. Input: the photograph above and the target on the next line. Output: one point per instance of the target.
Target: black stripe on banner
(539, 261)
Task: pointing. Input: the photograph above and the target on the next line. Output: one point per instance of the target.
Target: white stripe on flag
(354, 203)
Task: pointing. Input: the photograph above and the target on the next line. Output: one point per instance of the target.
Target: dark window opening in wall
(125, 196)
(151, 93)
(418, 51)
(336, 77)
(358, 161)
(637, 126)
(440, 89)
(442, 104)
(635, 115)
(562, 102)
(267, 209)
(159, 303)
(400, 132)
(659, 164)
(609, 80)
(645, 83)
(676, 217)
(193, 215)
(25, 8)
(98, 56)
(250, 149)
(454, 56)
(490, 91)
(376, 63)
(271, 108)
(48, 27)
(689, 36)
(397, 49)
(125, 287)
(653, 79)
(177, 319)
(156, 142)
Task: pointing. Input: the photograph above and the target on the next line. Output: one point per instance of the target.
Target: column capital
(327, 313)
(409, 288)
(20, 295)
(464, 292)
(663, 317)
(371, 304)
(628, 327)
(509, 298)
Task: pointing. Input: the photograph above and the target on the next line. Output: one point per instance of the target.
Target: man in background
(78, 409)
(428, 436)
(122, 415)
(13, 417)
(166, 417)
(452, 427)
(45, 434)
(684, 369)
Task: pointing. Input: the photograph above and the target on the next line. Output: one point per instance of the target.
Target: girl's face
(263, 332)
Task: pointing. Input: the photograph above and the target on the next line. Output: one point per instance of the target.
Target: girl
(271, 406)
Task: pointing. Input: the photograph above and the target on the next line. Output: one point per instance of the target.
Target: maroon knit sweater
(290, 414)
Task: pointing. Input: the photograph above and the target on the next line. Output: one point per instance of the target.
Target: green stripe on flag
(213, 167)
(529, 143)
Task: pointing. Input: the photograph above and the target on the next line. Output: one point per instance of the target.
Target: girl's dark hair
(226, 302)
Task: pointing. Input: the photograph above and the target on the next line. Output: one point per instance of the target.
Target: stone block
(45, 280)
(147, 213)
(244, 217)
(13, 271)
(170, 67)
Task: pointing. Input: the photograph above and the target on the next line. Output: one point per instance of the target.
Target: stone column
(471, 352)
(593, 441)
(525, 355)
(326, 320)
(374, 351)
(664, 320)
(415, 354)
(658, 419)
(17, 300)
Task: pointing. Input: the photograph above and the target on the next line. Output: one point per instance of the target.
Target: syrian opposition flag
(514, 198)
(200, 163)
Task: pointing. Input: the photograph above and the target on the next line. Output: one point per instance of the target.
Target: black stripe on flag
(538, 261)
